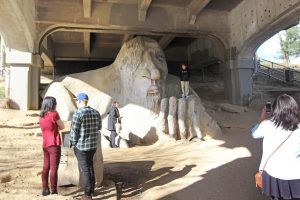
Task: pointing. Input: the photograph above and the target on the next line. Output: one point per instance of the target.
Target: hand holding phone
(268, 107)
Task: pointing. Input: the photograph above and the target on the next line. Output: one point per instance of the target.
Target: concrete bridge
(75, 35)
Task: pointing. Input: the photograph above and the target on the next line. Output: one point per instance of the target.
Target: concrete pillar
(35, 86)
(238, 80)
(6, 82)
(2, 53)
(19, 86)
(24, 79)
(289, 76)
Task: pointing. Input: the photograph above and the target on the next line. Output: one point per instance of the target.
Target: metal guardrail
(277, 71)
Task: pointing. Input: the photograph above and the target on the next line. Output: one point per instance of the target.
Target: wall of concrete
(19, 93)
(252, 23)
(76, 51)
(70, 67)
(18, 24)
(242, 29)
(251, 17)
(176, 54)
(238, 81)
(2, 53)
(198, 53)
(24, 79)
(48, 48)
(204, 49)
(34, 87)
(29, 13)
(123, 17)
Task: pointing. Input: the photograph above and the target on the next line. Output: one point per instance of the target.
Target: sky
(269, 51)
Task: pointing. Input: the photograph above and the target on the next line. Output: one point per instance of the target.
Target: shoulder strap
(277, 149)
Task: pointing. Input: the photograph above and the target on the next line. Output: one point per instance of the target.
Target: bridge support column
(24, 79)
(238, 80)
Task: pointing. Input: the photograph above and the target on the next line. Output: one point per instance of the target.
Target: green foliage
(290, 42)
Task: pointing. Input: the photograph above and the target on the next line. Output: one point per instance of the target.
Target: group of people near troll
(279, 127)
(84, 133)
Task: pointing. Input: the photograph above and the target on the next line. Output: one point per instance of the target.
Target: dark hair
(49, 104)
(184, 63)
(285, 113)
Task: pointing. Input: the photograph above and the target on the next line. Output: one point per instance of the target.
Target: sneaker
(45, 192)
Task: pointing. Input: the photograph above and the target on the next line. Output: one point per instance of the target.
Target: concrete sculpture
(148, 96)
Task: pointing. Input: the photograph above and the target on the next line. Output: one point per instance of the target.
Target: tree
(290, 43)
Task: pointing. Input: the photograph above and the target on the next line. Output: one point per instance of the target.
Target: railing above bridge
(278, 71)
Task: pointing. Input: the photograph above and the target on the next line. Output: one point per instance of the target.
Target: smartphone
(268, 107)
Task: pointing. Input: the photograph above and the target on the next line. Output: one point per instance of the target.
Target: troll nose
(154, 74)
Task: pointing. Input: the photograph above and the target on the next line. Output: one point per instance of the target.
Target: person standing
(50, 124)
(184, 80)
(113, 119)
(85, 127)
(280, 161)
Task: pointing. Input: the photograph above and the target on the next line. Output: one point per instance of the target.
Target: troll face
(143, 72)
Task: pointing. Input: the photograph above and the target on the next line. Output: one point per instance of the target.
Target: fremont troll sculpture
(149, 100)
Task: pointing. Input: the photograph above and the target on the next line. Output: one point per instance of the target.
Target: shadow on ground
(231, 181)
(134, 178)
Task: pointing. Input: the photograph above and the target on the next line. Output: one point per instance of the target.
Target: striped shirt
(85, 125)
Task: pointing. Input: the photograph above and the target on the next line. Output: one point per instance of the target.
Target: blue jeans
(86, 166)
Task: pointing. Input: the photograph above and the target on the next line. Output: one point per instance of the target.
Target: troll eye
(159, 57)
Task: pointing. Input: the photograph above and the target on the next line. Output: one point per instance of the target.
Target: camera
(268, 107)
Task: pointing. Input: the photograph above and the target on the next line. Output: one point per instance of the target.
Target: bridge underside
(66, 36)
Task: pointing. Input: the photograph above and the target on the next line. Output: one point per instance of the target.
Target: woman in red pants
(50, 124)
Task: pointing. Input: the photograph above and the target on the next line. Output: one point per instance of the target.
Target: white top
(285, 162)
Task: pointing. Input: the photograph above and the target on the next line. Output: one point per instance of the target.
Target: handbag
(258, 175)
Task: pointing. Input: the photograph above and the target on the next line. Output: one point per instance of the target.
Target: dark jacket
(184, 74)
(113, 118)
